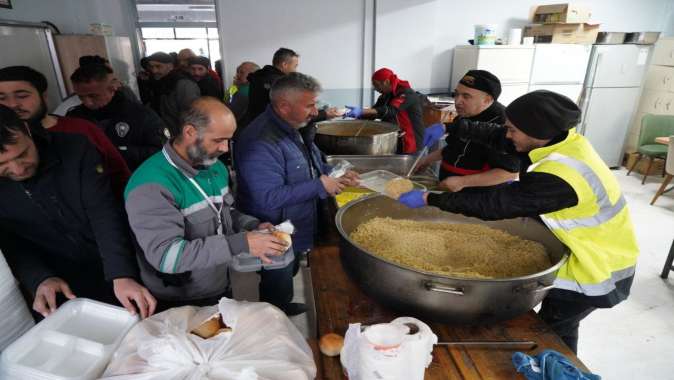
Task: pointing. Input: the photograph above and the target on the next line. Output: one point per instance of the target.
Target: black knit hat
(484, 81)
(161, 57)
(543, 114)
(200, 60)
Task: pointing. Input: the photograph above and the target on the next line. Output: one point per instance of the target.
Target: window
(203, 41)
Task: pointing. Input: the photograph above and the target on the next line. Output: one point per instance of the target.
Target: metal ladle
(525, 345)
(416, 162)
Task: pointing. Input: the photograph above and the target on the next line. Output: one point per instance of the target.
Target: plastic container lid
(246, 262)
(76, 342)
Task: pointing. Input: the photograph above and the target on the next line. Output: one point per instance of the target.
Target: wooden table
(339, 301)
(662, 140)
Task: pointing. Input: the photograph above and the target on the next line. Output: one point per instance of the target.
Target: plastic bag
(340, 168)
(388, 351)
(263, 344)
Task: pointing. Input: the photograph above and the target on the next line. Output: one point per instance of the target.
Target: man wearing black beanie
(466, 163)
(565, 185)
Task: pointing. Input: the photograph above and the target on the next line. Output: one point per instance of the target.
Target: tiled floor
(634, 340)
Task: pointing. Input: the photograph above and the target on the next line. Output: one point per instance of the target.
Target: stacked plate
(14, 314)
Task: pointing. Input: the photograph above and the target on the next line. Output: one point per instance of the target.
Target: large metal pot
(443, 298)
(365, 137)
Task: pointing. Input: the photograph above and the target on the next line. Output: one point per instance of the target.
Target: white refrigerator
(610, 97)
(560, 68)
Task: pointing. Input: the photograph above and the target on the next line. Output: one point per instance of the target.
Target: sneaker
(295, 308)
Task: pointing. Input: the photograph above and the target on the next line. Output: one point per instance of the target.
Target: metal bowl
(443, 298)
(357, 137)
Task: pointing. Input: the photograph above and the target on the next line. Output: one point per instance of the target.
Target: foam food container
(75, 342)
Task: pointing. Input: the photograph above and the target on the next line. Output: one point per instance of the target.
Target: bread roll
(283, 236)
(331, 344)
(211, 327)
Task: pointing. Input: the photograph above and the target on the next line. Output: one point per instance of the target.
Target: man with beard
(208, 86)
(281, 175)
(24, 90)
(175, 90)
(180, 209)
(134, 129)
(61, 229)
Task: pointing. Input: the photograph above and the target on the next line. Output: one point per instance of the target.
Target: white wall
(74, 16)
(328, 35)
(414, 38)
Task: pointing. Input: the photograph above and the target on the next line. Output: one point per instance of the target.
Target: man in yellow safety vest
(565, 183)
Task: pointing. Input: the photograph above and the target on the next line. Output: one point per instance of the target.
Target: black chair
(668, 263)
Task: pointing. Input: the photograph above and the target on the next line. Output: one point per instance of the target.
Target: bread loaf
(211, 327)
(283, 236)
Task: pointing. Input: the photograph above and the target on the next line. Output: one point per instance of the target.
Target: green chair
(652, 126)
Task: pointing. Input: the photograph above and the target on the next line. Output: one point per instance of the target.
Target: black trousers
(564, 317)
(276, 285)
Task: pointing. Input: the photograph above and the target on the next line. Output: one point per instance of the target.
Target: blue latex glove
(354, 112)
(413, 199)
(549, 365)
(433, 134)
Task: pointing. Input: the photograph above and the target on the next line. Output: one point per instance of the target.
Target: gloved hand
(354, 112)
(413, 199)
(433, 134)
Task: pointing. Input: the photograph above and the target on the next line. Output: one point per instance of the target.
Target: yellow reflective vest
(598, 230)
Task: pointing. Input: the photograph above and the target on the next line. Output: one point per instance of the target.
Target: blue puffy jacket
(278, 176)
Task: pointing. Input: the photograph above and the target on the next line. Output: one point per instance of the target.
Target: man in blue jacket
(281, 175)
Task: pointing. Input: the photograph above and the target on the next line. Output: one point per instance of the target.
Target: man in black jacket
(174, 91)
(136, 130)
(467, 163)
(61, 228)
(199, 67)
(284, 62)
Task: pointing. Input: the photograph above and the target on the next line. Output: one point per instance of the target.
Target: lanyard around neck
(218, 211)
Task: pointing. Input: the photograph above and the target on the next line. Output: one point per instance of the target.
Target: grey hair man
(181, 210)
(281, 176)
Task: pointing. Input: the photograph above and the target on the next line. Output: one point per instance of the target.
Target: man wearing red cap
(399, 104)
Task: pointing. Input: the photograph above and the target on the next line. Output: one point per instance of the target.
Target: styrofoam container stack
(14, 314)
(74, 343)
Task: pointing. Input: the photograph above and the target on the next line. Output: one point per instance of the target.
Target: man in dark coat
(136, 130)
(61, 228)
(175, 90)
(284, 62)
(208, 86)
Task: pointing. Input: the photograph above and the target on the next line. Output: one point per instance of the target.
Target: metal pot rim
(344, 235)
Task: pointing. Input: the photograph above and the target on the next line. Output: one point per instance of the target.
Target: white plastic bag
(263, 344)
(388, 351)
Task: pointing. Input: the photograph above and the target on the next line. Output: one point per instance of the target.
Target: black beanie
(543, 114)
(161, 57)
(200, 60)
(484, 81)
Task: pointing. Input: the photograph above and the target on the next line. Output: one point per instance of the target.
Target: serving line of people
(66, 232)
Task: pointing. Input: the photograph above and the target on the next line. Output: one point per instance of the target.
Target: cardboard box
(563, 33)
(561, 13)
